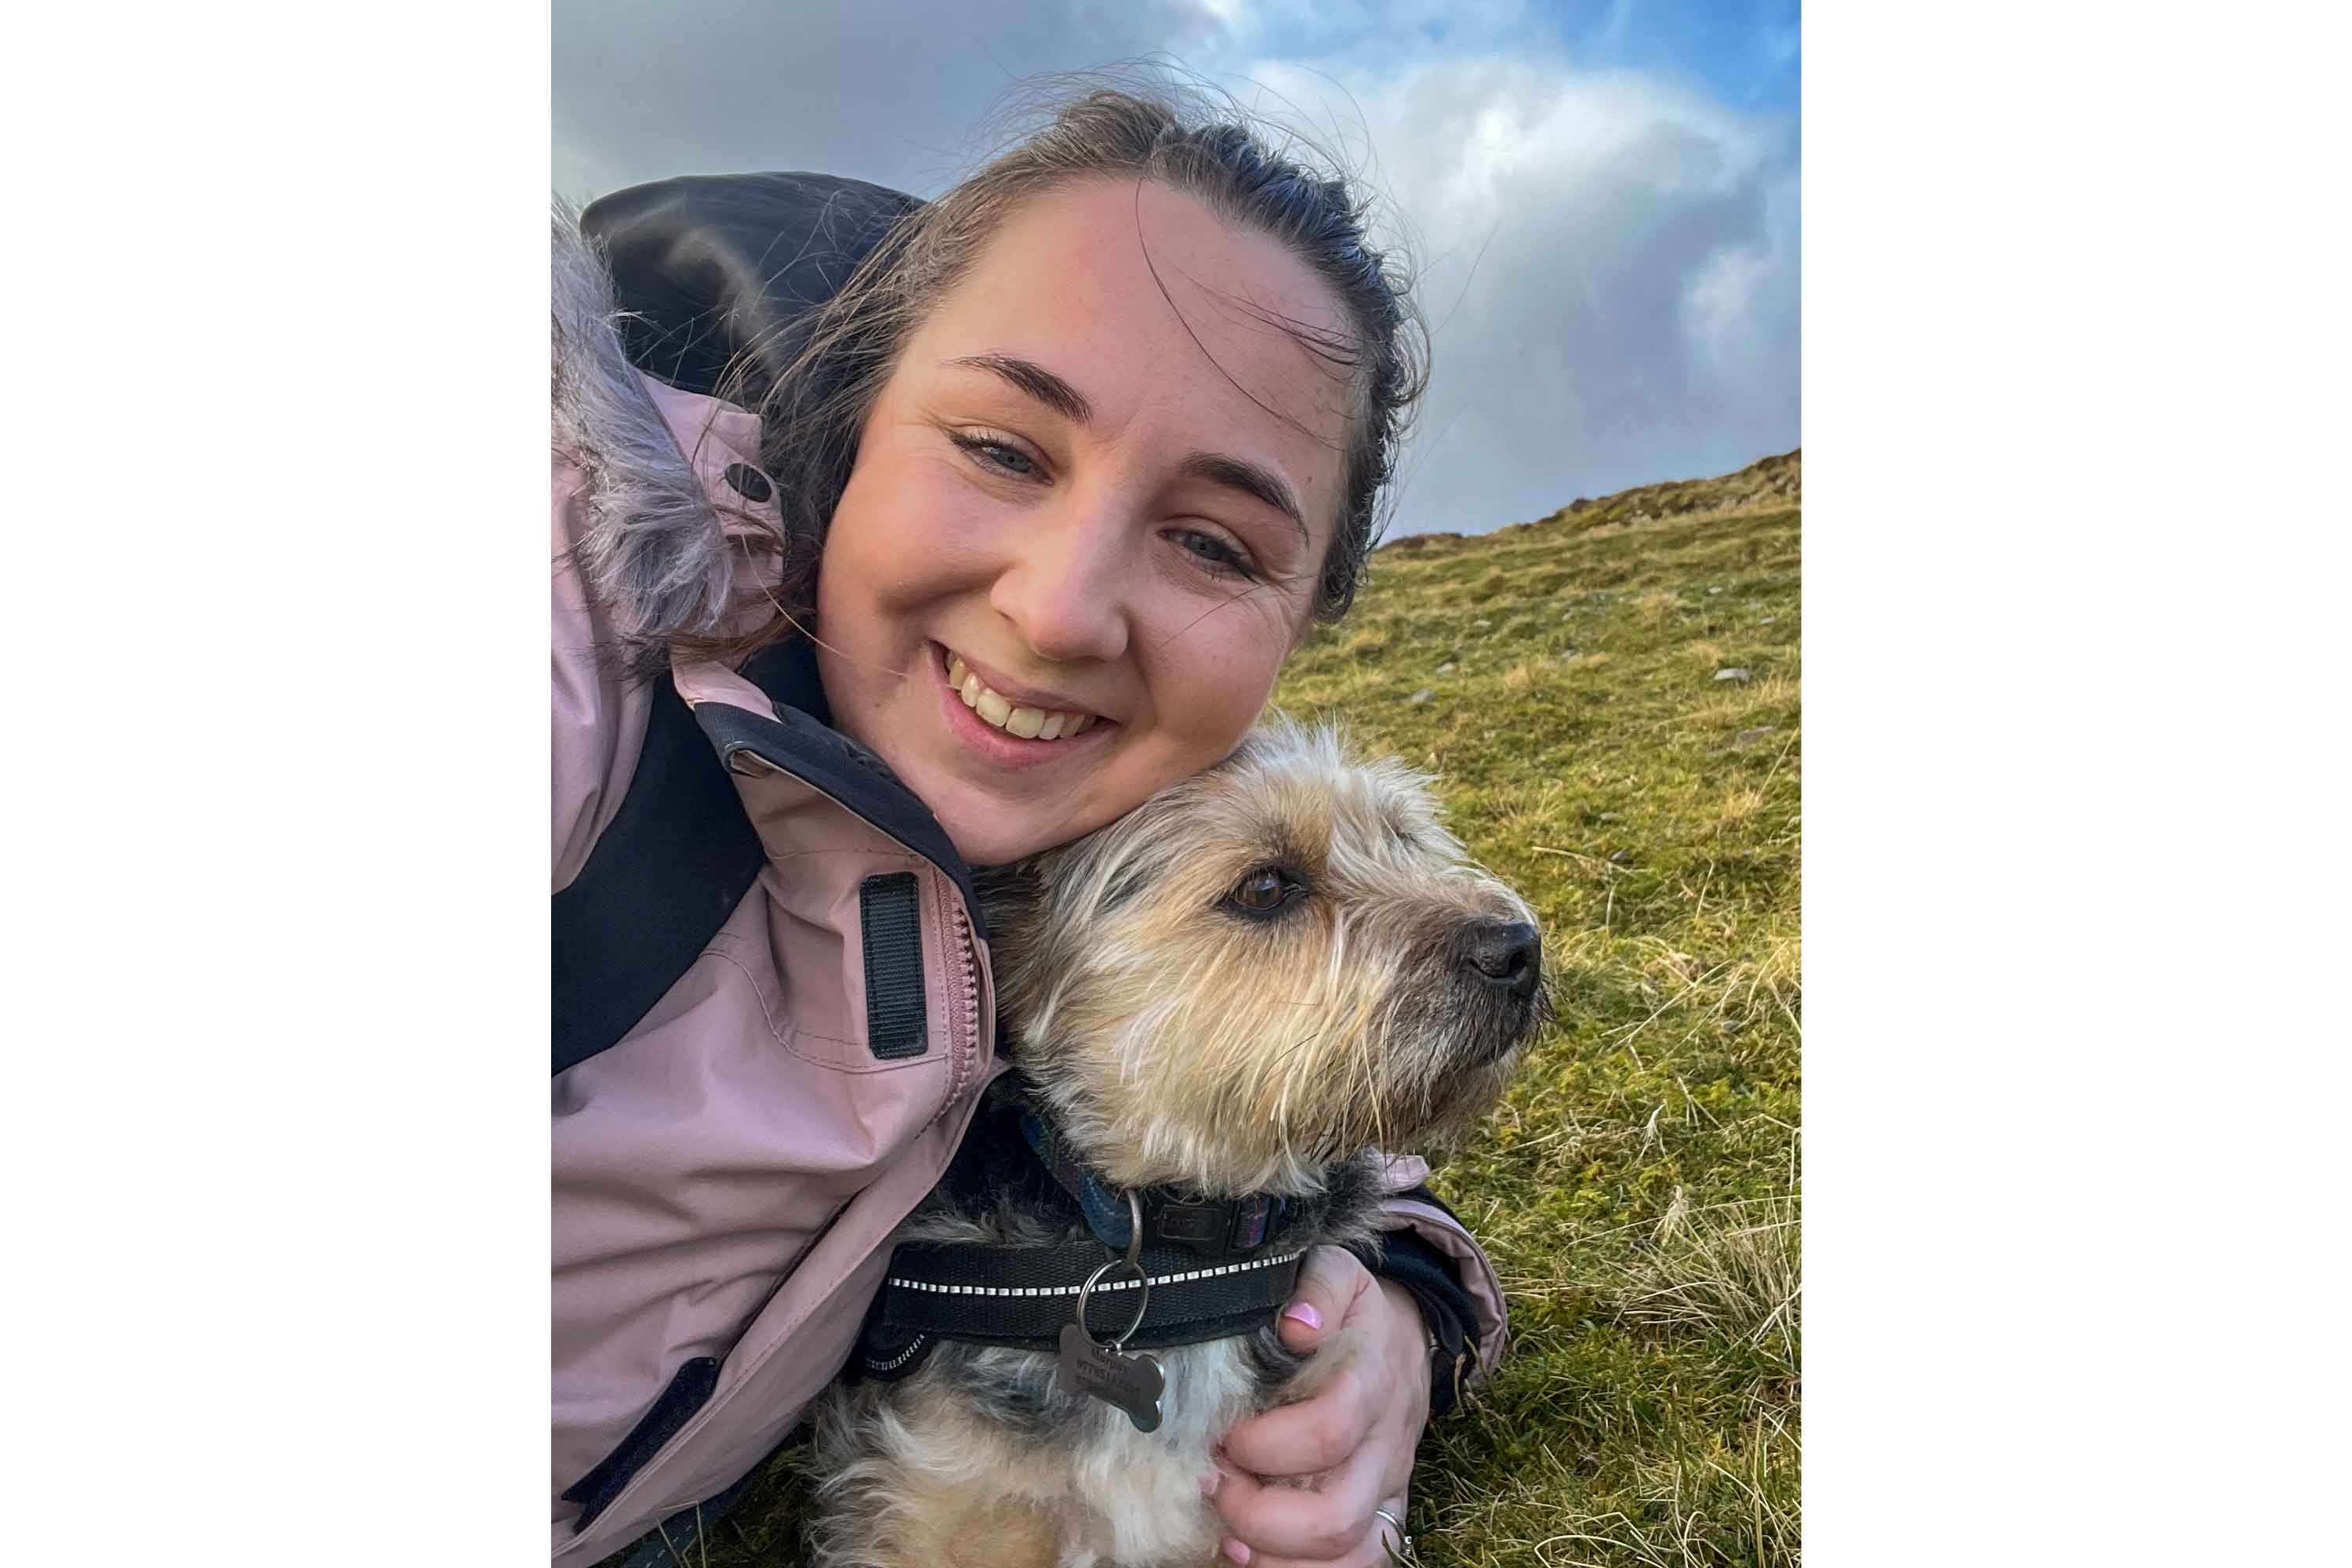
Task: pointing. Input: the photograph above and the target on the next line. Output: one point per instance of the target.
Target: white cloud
(1610, 271)
(1612, 261)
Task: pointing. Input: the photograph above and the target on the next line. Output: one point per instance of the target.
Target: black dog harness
(1206, 1269)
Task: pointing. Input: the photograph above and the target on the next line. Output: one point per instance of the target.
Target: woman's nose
(1067, 585)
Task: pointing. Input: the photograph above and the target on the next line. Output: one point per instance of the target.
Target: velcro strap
(889, 923)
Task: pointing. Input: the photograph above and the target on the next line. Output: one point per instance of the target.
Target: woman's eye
(1261, 892)
(1214, 553)
(996, 454)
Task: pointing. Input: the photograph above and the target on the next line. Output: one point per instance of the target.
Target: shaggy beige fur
(1181, 1039)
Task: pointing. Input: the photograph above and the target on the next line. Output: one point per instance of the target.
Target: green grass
(1638, 1189)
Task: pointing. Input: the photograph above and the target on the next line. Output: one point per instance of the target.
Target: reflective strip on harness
(1022, 1297)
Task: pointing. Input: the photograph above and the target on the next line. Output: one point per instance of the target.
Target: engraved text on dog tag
(1133, 1382)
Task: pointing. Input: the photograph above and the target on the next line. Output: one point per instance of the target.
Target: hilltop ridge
(1766, 484)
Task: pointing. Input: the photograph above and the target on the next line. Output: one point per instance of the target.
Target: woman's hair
(812, 414)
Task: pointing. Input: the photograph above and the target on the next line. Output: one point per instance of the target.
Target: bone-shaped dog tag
(1133, 1382)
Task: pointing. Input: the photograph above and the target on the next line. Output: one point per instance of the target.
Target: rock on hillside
(1769, 483)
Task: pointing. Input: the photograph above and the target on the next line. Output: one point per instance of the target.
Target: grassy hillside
(1639, 1189)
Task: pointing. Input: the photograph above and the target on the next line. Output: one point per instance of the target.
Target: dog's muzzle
(1497, 967)
(1505, 954)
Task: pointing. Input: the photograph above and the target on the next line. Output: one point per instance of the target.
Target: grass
(1639, 1188)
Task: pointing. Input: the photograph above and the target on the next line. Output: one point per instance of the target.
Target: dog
(1227, 999)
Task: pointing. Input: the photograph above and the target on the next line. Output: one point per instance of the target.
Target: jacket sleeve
(1428, 1250)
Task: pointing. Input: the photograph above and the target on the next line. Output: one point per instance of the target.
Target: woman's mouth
(1002, 713)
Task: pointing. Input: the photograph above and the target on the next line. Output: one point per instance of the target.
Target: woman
(1103, 431)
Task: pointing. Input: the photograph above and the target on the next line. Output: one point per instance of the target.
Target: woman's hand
(1298, 1485)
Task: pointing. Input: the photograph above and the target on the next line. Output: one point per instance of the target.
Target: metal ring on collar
(1134, 1259)
(1142, 1299)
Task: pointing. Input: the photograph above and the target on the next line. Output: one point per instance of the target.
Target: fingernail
(1303, 1312)
(1210, 1481)
(1237, 1551)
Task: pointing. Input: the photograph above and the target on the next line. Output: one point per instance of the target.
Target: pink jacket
(727, 1177)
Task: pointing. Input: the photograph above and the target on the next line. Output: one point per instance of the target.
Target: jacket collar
(773, 709)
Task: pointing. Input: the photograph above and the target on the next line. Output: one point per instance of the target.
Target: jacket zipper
(963, 1041)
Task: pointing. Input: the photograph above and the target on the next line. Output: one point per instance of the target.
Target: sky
(1602, 197)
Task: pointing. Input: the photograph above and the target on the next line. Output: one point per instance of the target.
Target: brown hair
(812, 416)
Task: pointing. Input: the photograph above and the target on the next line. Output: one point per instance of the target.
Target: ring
(1404, 1541)
(1143, 1299)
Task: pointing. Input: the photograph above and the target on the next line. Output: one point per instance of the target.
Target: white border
(2073, 351)
(274, 1155)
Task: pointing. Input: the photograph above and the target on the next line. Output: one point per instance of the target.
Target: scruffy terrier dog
(1218, 1006)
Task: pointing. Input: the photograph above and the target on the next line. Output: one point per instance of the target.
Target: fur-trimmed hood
(668, 481)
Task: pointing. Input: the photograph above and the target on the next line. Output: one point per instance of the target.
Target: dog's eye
(1259, 890)
(1263, 891)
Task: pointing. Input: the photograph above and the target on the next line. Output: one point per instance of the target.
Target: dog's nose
(1507, 953)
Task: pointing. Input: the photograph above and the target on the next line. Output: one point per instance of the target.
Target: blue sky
(1744, 53)
(1604, 195)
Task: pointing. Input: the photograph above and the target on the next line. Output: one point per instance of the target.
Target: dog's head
(1264, 970)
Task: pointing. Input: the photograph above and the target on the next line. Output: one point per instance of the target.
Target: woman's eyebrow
(1036, 381)
(1261, 484)
(1258, 483)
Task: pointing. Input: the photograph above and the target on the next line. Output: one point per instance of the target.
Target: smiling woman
(1020, 534)
(1071, 486)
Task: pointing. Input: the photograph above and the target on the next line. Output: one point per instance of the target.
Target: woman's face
(1069, 499)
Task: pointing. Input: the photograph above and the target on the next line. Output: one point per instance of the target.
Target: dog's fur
(1177, 1042)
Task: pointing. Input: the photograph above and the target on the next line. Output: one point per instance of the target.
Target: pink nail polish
(1304, 1312)
(1210, 1481)
(1237, 1551)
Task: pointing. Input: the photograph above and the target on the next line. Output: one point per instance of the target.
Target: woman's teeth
(1029, 723)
